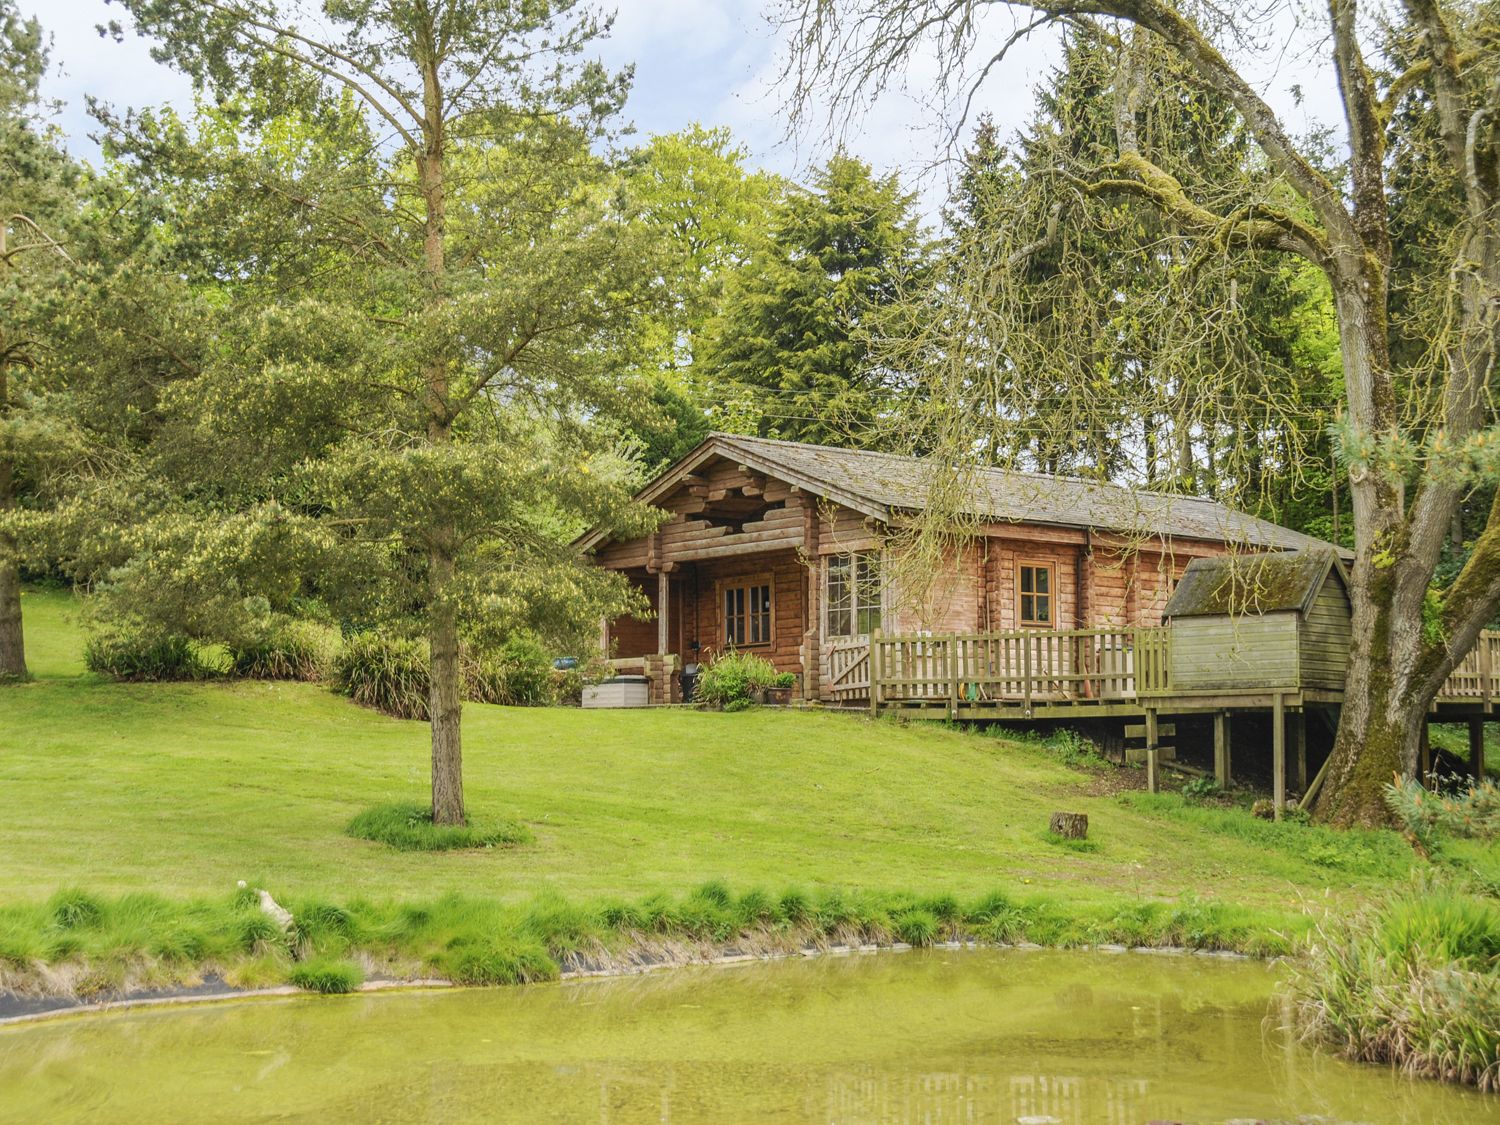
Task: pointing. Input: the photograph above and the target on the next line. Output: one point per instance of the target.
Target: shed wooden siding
(1325, 637)
(1246, 652)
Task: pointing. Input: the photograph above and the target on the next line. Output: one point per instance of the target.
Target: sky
(716, 62)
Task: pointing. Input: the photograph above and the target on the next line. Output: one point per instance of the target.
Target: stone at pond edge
(1070, 825)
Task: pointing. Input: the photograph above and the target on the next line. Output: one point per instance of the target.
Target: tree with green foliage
(425, 281)
(692, 189)
(1140, 388)
(790, 348)
(1414, 440)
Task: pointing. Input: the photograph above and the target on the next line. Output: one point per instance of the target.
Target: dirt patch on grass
(1109, 782)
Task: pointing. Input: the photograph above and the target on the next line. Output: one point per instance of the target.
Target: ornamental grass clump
(285, 650)
(388, 674)
(1413, 981)
(143, 656)
(391, 674)
(732, 678)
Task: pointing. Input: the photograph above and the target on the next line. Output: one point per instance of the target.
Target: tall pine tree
(790, 353)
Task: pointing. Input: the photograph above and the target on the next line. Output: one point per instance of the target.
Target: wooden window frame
(1050, 566)
(826, 600)
(745, 582)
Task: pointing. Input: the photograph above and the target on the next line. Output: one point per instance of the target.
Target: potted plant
(779, 690)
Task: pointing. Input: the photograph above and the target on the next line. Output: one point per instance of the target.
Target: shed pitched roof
(1289, 580)
(883, 484)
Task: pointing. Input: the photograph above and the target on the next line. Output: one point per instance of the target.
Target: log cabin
(788, 550)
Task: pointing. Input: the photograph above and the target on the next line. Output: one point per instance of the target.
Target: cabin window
(1034, 589)
(853, 596)
(747, 614)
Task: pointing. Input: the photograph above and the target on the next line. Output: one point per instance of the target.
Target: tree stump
(1070, 825)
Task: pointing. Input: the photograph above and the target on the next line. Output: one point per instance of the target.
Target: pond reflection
(933, 1037)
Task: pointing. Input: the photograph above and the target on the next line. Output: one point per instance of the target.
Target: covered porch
(756, 603)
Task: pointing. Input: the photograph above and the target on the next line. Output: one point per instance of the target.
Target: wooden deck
(1082, 673)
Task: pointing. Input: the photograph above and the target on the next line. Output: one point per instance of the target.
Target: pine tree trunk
(12, 641)
(444, 698)
(444, 694)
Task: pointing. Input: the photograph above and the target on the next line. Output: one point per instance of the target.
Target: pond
(935, 1036)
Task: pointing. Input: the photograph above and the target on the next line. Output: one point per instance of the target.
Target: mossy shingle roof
(1288, 580)
(883, 484)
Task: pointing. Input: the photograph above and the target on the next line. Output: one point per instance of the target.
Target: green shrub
(387, 673)
(330, 977)
(409, 828)
(732, 676)
(141, 655)
(528, 671)
(285, 650)
(1202, 789)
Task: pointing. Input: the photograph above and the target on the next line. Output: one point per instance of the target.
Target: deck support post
(1476, 748)
(1221, 748)
(1153, 754)
(1278, 752)
(1299, 749)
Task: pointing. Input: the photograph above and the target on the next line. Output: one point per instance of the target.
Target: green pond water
(930, 1037)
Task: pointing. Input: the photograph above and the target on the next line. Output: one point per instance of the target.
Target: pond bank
(19, 1009)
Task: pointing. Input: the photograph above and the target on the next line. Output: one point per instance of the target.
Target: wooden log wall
(728, 521)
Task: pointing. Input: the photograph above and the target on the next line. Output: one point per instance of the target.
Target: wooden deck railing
(1477, 675)
(1068, 665)
(1025, 666)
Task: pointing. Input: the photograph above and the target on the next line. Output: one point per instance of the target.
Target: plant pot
(776, 696)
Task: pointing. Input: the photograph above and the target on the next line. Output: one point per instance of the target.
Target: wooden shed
(1273, 622)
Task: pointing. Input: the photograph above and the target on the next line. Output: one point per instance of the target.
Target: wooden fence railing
(1024, 666)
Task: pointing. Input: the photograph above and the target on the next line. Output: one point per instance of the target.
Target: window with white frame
(853, 594)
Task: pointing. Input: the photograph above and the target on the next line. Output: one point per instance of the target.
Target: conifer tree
(791, 347)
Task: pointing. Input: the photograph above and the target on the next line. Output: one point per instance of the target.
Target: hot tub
(617, 691)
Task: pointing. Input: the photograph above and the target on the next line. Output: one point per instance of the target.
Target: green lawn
(184, 789)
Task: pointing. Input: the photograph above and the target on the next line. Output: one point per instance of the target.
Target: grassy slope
(183, 789)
